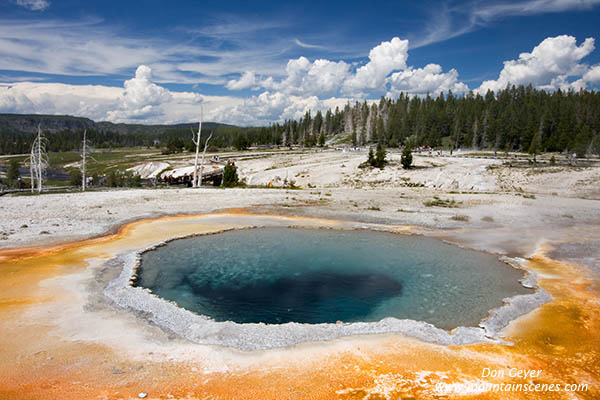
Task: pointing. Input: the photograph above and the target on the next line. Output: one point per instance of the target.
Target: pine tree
(230, 176)
(582, 141)
(406, 159)
(380, 156)
(12, 175)
(534, 146)
(371, 157)
(175, 145)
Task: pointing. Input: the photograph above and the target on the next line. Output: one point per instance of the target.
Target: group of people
(169, 180)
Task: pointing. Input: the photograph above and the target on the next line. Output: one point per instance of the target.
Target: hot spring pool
(279, 275)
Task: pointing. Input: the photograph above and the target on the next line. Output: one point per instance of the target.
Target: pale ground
(488, 196)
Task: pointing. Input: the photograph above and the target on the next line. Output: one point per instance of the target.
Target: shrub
(380, 156)
(371, 157)
(230, 176)
(12, 175)
(118, 179)
(175, 145)
(75, 177)
(113, 179)
(437, 202)
(133, 180)
(406, 158)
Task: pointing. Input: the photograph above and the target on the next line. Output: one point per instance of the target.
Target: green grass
(57, 160)
(374, 208)
(100, 162)
(104, 161)
(484, 154)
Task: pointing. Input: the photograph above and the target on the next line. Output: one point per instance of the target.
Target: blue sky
(253, 63)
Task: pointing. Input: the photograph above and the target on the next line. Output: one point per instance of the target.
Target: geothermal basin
(126, 335)
(279, 285)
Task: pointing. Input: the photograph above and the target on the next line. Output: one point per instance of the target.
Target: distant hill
(28, 123)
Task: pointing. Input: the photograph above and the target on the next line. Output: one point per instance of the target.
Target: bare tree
(196, 140)
(202, 163)
(38, 161)
(85, 149)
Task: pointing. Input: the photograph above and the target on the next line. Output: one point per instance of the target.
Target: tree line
(174, 139)
(514, 119)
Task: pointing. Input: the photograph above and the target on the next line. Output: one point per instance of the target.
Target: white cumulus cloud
(420, 81)
(141, 98)
(276, 106)
(592, 75)
(246, 81)
(383, 59)
(319, 78)
(57, 98)
(303, 78)
(548, 66)
(386, 70)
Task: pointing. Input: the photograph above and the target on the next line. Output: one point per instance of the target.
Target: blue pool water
(278, 275)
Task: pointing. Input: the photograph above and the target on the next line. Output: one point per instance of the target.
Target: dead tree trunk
(38, 161)
(202, 163)
(32, 169)
(84, 150)
(196, 140)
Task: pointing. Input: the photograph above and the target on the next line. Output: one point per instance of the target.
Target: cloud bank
(139, 101)
(386, 70)
(549, 66)
(555, 63)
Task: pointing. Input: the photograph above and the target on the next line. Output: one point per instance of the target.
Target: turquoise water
(278, 275)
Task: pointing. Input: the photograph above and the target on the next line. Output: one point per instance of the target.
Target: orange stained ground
(561, 338)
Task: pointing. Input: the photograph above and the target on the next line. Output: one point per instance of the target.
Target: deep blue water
(278, 275)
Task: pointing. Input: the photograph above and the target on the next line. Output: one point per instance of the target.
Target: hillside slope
(28, 123)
